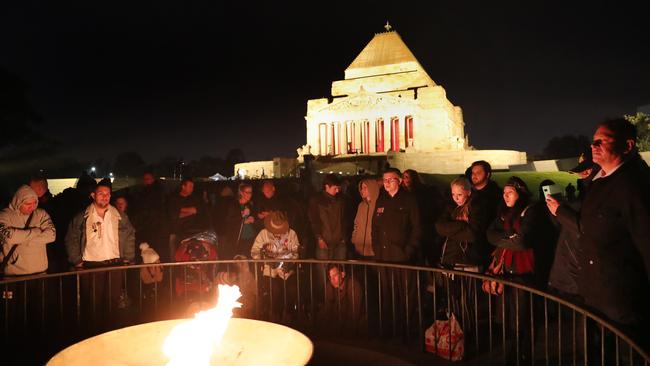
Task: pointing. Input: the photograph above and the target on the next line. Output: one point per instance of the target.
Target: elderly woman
(463, 225)
(278, 242)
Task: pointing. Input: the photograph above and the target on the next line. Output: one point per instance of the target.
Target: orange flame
(192, 342)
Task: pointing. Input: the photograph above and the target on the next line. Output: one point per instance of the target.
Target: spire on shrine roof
(385, 50)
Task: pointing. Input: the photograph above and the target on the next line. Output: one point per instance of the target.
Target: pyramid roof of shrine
(386, 49)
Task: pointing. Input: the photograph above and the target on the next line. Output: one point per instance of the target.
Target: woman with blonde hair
(463, 224)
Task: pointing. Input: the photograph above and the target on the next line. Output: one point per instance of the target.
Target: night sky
(189, 78)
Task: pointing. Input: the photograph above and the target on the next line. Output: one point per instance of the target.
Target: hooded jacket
(362, 231)
(30, 255)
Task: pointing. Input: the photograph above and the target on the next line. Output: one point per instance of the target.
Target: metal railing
(46, 313)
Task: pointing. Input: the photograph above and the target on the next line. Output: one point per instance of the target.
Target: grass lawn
(532, 179)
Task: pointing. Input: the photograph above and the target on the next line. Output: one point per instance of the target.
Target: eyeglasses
(599, 142)
(388, 180)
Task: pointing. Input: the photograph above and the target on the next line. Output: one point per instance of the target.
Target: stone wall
(454, 162)
(276, 168)
(255, 169)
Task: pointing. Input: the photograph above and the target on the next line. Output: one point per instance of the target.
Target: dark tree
(128, 164)
(19, 136)
(233, 157)
(206, 166)
(567, 146)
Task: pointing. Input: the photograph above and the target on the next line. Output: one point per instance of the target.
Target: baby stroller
(195, 281)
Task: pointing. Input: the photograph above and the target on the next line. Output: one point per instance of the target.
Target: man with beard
(99, 237)
(487, 192)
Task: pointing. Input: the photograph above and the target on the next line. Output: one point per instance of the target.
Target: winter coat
(328, 218)
(30, 255)
(521, 233)
(396, 228)
(75, 239)
(465, 241)
(362, 231)
(565, 269)
(489, 198)
(614, 228)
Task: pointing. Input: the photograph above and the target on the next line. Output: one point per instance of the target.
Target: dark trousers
(397, 300)
(101, 298)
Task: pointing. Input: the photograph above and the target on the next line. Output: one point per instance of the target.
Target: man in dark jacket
(396, 225)
(396, 239)
(488, 194)
(149, 216)
(187, 214)
(328, 218)
(563, 277)
(614, 274)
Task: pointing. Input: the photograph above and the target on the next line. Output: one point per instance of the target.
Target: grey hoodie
(30, 255)
(362, 232)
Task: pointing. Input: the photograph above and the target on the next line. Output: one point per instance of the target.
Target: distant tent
(218, 177)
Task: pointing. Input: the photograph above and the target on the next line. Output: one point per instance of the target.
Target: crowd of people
(593, 248)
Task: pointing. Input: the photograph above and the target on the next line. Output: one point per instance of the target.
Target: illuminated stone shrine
(387, 102)
(387, 108)
(388, 105)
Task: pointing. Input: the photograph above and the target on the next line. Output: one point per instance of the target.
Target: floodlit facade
(388, 105)
(386, 109)
(387, 102)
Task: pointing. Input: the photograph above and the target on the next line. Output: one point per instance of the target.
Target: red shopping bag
(445, 338)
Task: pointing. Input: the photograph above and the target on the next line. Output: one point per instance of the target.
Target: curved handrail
(444, 271)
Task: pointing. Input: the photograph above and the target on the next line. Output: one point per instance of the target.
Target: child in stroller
(194, 281)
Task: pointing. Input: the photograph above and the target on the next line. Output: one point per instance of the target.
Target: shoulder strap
(5, 260)
(444, 249)
(525, 209)
(29, 220)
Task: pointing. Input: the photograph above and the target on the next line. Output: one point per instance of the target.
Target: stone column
(394, 134)
(322, 139)
(331, 140)
(380, 132)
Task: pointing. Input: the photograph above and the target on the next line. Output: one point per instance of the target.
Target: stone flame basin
(246, 342)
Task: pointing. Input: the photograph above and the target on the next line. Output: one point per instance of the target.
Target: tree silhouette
(566, 146)
(642, 123)
(233, 157)
(18, 137)
(128, 164)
